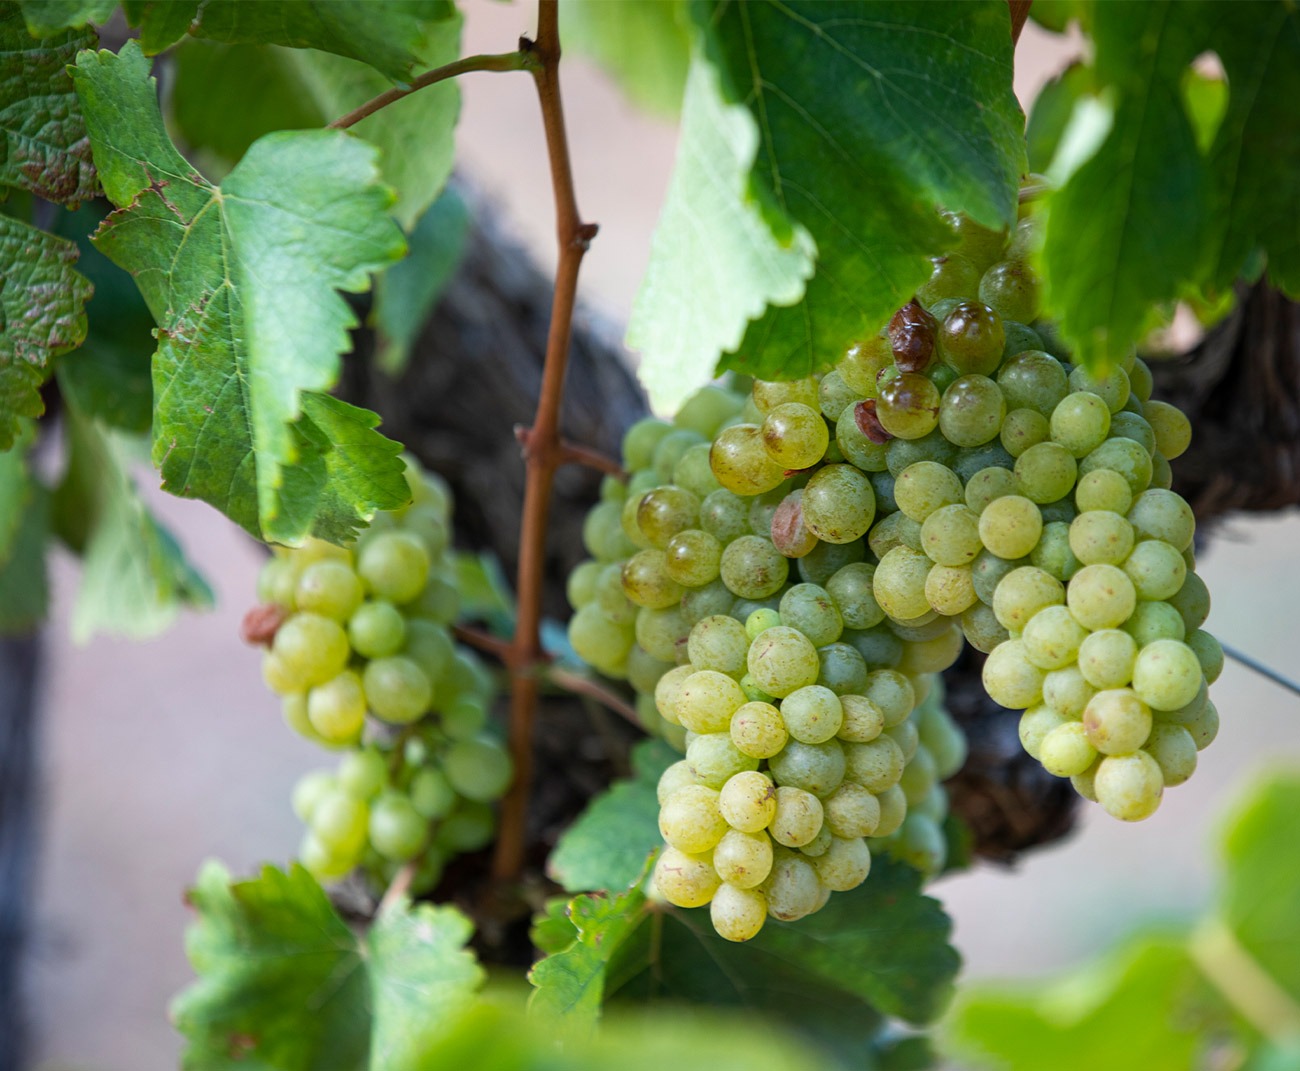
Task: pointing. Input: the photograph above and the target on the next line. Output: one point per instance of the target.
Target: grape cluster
(364, 659)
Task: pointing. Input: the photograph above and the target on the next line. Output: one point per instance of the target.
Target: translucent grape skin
(908, 406)
(971, 338)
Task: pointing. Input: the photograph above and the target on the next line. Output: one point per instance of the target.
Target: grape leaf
(1126, 230)
(552, 929)
(46, 17)
(406, 293)
(241, 279)
(283, 982)
(714, 263)
(1256, 153)
(15, 489)
(569, 985)
(1142, 1006)
(1051, 113)
(393, 37)
(44, 148)
(608, 845)
(42, 307)
(24, 584)
(869, 115)
(883, 947)
(135, 578)
(644, 46)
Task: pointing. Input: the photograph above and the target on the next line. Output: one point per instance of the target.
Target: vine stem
(544, 450)
(520, 60)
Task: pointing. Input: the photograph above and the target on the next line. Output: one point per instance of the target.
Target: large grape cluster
(787, 565)
(365, 662)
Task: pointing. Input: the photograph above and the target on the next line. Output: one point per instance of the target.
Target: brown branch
(522, 60)
(545, 451)
(1019, 15)
(483, 641)
(398, 887)
(580, 685)
(572, 453)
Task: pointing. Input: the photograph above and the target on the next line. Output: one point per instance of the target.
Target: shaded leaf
(24, 583)
(15, 489)
(46, 17)
(241, 280)
(644, 46)
(42, 303)
(608, 845)
(1051, 113)
(552, 929)
(44, 148)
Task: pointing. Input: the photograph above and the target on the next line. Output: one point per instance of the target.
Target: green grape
(431, 528)
(724, 515)
(907, 406)
(1103, 489)
(971, 338)
(812, 611)
(743, 860)
(816, 768)
(463, 718)
(1204, 727)
(280, 676)
(1101, 596)
(758, 730)
(1125, 457)
(1164, 515)
(278, 581)
(689, 820)
(1172, 430)
(1080, 423)
(760, 621)
(705, 411)
(1192, 601)
(844, 865)
(1162, 476)
(1011, 289)
(685, 880)
(876, 765)
(919, 774)
(694, 473)
(1208, 652)
(851, 811)
(293, 708)
(310, 790)
(438, 602)
(1010, 526)
(718, 643)
(602, 532)
(990, 455)
(1117, 721)
(1156, 569)
(878, 646)
(900, 453)
(311, 650)
(945, 741)
(899, 583)
(1101, 537)
(924, 487)
(896, 530)
(1126, 425)
(339, 822)
(394, 566)
(329, 588)
(862, 364)
(699, 603)
(646, 582)
(812, 714)
(782, 660)
(1112, 388)
(640, 440)
(1052, 637)
(1067, 692)
(714, 758)
(987, 571)
(1045, 472)
(1140, 381)
(741, 463)
(1034, 380)
(431, 793)
(795, 435)
(397, 830)
(692, 558)
(671, 449)
(1035, 725)
(1066, 750)
(988, 485)
(748, 802)
(668, 692)
(1107, 657)
(978, 244)
(397, 689)
(1153, 621)
(851, 589)
(377, 629)
(1129, 787)
(706, 701)
(580, 588)
(793, 889)
(753, 568)
(972, 411)
(1174, 750)
(856, 446)
(1010, 678)
(321, 861)
(1022, 593)
(665, 511)
(1053, 554)
(825, 559)
(741, 609)
(953, 277)
(599, 641)
(834, 396)
(479, 769)
(337, 708)
(1167, 675)
(862, 719)
(768, 394)
(1022, 429)
(981, 628)
(918, 629)
(950, 589)
(950, 535)
(838, 504)
(467, 829)
(675, 777)
(1020, 338)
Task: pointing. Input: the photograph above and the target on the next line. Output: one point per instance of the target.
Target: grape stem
(580, 685)
(1019, 16)
(545, 449)
(572, 453)
(521, 60)
(484, 641)
(397, 888)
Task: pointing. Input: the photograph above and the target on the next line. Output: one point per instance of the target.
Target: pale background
(157, 756)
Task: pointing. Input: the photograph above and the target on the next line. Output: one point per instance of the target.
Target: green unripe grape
(668, 692)
(706, 700)
(741, 463)
(479, 769)
(856, 447)
(690, 821)
(851, 588)
(760, 621)
(982, 629)
(315, 550)
(699, 603)
(919, 775)
(463, 718)
(1045, 472)
(1164, 515)
(663, 633)
(876, 765)
(310, 789)
(815, 768)
(1208, 652)
(337, 708)
(339, 822)
(907, 405)
(693, 558)
(439, 601)
(971, 338)
(1204, 727)
(950, 589)
(953, 277)
(1034, 380)
(795, 435)
(676, 776)
(834, 396)
(397, 829)
(393, 565)
(1011, 289)
(599, 641)
(1153, 621)
(900, 453)
(1034, 726)
(896, 530)
(431, 793)
(1101, 596)
(843, 669)
(640, 440)
(377, 629)
(311, 648)
(1167, 675)
(1052, 638)
(1066, 751)
(926, 486)
(768, 394)
(1101, 537)
(671, 449)
(1105, 490)
(468, 829)
(972, 411)
(1011, 526)
(602, 532)
(1117, 721)
(758, 730)
(981, 246)
(705, 411)
(782, 660)
(826, 559)
(1022, 429)
(1112, 388)
(1129, 787)
(1192, 602)
(945, 741)
(397, 689)
(812, 714)
(753, 568)
(329, 588)
(279, 676)
(1125, 457)
(1019, 339)
(430, 527)
(1156, 569)
(1106, 658)
(838, 504)
(851, 811)
(1126, 425)
(1080, 423)
(1173, 431)
(1174, 750)
(1010, 678)
(987, 571)
(928, 626)
(1053, 554)
(1162, 476)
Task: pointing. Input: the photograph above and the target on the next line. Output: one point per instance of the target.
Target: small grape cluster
(363, 656)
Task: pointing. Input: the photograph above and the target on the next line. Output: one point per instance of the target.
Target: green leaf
(1142, 1006)
(44, 149)
(42, 308)
(484, 591)
(406, 294)
(552, 929)
(1051, 113)
(569, 985)
(46, 17)
(15, 489)
(24, 584)
(869, 116)
(644, 45)
(241, 279)
(134, 577)
(714, 263)
(1256, 154)
(1127, 229)
(1054, 15)
(394, 37)
(607, 847)
(285, 984)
